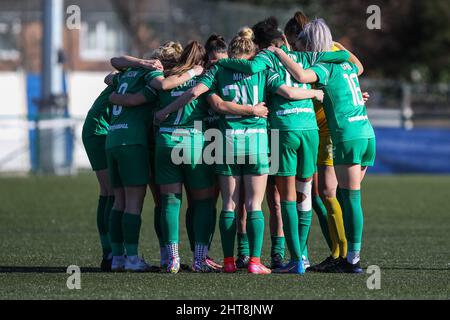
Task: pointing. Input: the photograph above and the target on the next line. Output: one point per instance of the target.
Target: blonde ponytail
(246, 33)
(242, 44)
(169, 54)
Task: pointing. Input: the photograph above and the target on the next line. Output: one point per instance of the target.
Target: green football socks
(277, 246)
(321, 212)
(115, 232)
(243, 246)
(304, 224)
(157, 225)
(255, 231)
(170, 213)
(353, 218)
(213, 226)
(131, 226)
(290, 228)
(227, 226)
(190, 213)
(202, 220)
(102, 225)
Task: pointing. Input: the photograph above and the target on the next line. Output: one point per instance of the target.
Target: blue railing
(412, 151)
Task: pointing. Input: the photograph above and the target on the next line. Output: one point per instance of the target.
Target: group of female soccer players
(271, 113)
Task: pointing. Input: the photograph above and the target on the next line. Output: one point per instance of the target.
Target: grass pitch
(49, 223)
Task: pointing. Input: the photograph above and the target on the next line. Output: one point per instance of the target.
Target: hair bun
(215, 37)
(177, 47)
(246, 33)
(171, 47)
(301, 19)
(272, 21)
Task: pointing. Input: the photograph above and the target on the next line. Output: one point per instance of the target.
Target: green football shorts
(297, 154)
(174, 168)
(128, 165)
(95, 149)
(361, 151)
(151, 156)
(255, 165)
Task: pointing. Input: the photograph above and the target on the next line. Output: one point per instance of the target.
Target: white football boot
(306, 262)
(136, 264)
(118, 264)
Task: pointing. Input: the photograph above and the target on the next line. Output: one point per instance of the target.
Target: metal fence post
(407, 111)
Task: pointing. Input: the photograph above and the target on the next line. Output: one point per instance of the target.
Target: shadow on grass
(185, 268)
(412, 268)
(43, 269)
(40, 269)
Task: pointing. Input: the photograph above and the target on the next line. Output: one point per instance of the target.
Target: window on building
(9, 39)
(101, 37)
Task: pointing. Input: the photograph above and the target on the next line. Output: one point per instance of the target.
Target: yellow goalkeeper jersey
(320, 113)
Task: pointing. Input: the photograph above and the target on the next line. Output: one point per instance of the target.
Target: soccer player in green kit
(351, 131)
(296, 123)
(95, 130)
(178, 133)
(198, 177)
(128, 165)
(216, 49)
(168, 54)
(245, 89)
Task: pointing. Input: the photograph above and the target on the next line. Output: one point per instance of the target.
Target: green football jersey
(98, 117)
(343, 104)
(243, 89)
(131, 125)
(189, 117)
(152, 75)
(213, 118)
(287, 114)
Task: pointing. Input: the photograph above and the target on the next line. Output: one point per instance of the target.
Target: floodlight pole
(52, 73)
(51, 142)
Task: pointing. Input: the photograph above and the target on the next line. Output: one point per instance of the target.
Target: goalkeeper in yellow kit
(325, 185)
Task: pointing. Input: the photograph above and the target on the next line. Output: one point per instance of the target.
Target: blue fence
(398, 150)
(412, 151)
(33, 87)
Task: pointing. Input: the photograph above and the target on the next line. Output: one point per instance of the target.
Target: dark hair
(267, 33)
(216, 43)
(295, 25)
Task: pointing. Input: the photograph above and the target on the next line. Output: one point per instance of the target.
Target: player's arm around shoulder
(232, 108)
(353, 59)
(171, 82)
(296, 70)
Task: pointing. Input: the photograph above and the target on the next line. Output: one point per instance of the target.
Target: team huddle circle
(272, 114)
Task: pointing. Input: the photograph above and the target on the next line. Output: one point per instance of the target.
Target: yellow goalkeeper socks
(336, 227)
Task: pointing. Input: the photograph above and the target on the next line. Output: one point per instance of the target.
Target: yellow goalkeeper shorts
(325, 156)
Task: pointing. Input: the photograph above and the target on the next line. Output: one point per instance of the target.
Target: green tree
(415, 34)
